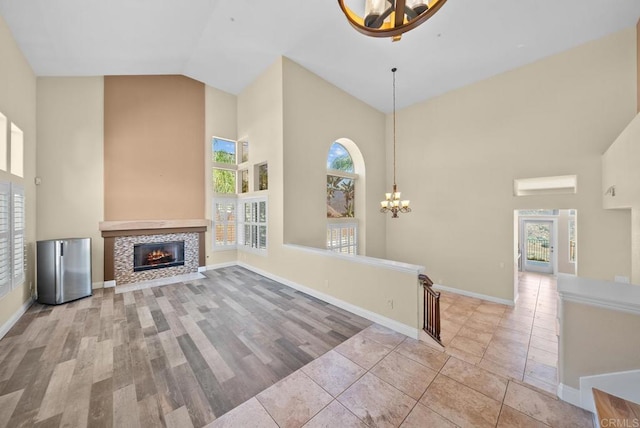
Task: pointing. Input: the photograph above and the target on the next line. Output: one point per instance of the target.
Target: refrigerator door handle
(61, 248)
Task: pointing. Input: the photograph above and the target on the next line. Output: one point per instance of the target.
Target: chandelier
(388, 18)
(392, 202)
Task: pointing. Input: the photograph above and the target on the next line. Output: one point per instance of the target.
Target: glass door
(538, 246)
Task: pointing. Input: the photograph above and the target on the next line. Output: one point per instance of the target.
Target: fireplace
(124, 238)
(157, 255)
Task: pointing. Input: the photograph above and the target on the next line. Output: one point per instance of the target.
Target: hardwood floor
(175, 355)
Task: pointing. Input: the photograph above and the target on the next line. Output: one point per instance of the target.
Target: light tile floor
(497, 370)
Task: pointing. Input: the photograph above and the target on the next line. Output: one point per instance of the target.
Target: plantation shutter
(5, 235)
(18, 223)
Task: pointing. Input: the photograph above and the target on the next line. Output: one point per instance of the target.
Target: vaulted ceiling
(227, 44)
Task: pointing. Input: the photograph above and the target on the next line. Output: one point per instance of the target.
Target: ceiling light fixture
(388, 18)
(392, 202)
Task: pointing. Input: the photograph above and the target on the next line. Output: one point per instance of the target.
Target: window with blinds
(224, 223)
(5, 238)
(18, 223)
(252, 224)
(12, 225)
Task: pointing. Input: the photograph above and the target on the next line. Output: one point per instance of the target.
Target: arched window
(342, 225)
(340, 183)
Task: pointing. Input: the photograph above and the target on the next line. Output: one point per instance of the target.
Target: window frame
(340, 226)
(225, 223)
(256, 223)
(15, 222)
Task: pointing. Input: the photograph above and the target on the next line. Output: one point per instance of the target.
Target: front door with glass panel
(538, 246)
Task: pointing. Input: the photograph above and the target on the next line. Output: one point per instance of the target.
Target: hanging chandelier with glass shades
(392, 202)
(388, 18)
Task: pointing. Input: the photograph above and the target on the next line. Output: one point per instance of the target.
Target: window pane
(219, 234)
(262, 216)
(263, 237)
(224, 151)
(340, 197)
(254, 212)
(230, 214)
(244, 186)
(3, 142)
(254, 236)
(231, 234)
(247, 234)
(263, 177)
(339, 158)
(17, 148)
(224, 181)
(247, 212)
(245, 151)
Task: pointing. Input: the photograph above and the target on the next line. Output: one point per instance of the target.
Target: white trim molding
(472, 294)
(603, 294)
(109, 284)
(365, 313)
(371, 261)
(15, 317)
(218, 266)
(569, 394)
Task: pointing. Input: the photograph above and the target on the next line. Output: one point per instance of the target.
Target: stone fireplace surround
(120, 236)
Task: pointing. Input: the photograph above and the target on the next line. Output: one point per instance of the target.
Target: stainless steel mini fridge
(64, 270)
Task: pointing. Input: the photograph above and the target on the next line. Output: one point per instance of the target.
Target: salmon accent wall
(153, 148)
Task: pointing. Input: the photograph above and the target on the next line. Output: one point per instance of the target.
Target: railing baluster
(431, 303)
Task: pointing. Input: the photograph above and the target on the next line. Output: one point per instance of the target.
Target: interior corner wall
(153, 132)
(18, 104)
(260, 122)
(459, 154)
(221, 120)
(70, 162)
(316, 114)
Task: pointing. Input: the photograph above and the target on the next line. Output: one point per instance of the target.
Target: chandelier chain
(394, 126)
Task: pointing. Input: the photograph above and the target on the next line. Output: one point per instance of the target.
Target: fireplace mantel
(111, 226)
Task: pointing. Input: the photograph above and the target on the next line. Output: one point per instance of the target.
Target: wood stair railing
(614, 412)
(431, 324)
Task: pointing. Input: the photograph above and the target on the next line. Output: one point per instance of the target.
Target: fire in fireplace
(158, 255)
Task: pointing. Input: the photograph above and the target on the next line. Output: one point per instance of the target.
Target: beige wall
(70, 162)
(267, 117)
(459, 154)
(588, 345)
(316, 114)
(221, 118)
(18, 104)
(153, 133)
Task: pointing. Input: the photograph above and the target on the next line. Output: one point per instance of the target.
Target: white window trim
(340, 173)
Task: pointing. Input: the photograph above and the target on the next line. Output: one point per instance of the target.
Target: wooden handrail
(614, 411)
(431, 324)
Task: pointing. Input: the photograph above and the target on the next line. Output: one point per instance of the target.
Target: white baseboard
(365, 313)
(475, 295)
(15, 317)
(202, 269)
(569, 394)
(109, 284)
(218, 266)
